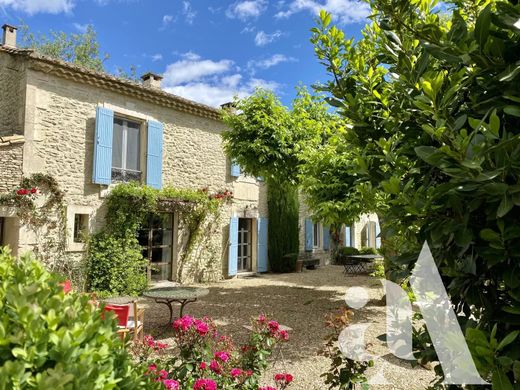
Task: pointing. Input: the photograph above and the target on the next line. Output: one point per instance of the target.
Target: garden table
(357, 263)
(182, 295)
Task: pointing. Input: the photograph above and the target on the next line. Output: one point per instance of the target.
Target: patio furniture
(355, 264)
(130, 319)
(169, 295)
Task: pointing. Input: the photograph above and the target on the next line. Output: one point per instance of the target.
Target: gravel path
(299, 301)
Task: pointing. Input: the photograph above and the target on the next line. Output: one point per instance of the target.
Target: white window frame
(124, 143)
(316, 234)
(72, 210)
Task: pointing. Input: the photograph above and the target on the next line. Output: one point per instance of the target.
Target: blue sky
(207, 51)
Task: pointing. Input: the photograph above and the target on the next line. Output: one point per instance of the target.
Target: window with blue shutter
(347, 236)
(235, 169)
(233, 247)
(262, 261)
(154, 155)
(102, 168)
(309, 234)
(326, 238)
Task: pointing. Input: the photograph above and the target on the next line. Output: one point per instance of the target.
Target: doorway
(245, 244)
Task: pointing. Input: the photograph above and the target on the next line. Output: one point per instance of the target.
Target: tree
(80, 49)
(268, 140)
(431, 94)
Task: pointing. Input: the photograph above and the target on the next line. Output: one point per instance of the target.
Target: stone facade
(59, 116)
(11, 156)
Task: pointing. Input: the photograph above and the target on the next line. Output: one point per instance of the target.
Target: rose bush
(203, 359)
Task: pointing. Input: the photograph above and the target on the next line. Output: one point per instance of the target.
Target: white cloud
(32, 7)
(246, 9)
(208, 81)
(188, 12)
(82, 28)
(192, 67)
(262, 38)
(345, 11)
(270, 62)
(157, 57)
(166, 20)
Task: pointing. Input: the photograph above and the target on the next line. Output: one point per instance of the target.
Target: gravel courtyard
(299, 301)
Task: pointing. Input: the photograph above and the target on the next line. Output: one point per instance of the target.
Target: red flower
(235, 372)
(215, 367)
(204, 384)
(33, 190)
(223, 356)
(273, 325)
(152, 367)
(202, 365)
(163, 374)
(22, 191)
(283, 335)
(261, 319)
(171, 384)
(283, 379)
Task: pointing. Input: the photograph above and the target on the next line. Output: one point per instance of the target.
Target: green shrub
(342, 254)
(283, 204)
(366, 250)
(288, 263)
(53, 340)
(116, 265)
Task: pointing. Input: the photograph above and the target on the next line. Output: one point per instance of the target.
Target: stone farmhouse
(90, 130)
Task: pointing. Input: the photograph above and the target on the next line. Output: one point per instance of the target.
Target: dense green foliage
(115, 261)
(283, 233)
(432, 96)
(268, 140)
(53, 340)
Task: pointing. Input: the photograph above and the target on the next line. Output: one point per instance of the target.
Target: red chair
(130, 319)
(122, 312)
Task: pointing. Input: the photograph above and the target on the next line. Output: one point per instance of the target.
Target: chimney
(152, 80)
(9, 35)
(229, 106)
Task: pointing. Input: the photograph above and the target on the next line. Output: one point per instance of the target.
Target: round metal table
(169, 295)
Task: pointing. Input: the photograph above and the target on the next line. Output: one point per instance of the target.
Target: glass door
(156, 238)
(244, 244)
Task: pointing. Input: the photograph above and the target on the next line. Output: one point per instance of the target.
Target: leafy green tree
(431, 96)
(80, 49)
(267, 139)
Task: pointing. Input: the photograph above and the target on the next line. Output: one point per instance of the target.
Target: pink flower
(163, 374)
(152, 367)
(204, 384)
(171, 384)
(214, 366)
(201, 328)
(202, 365)
(283, 335)
(235, 372)
(261, 319)
(283, 379)
(223, 356)
(273, 326)
(249, 372)
(183, 323)
(161, 345)
(266, 388)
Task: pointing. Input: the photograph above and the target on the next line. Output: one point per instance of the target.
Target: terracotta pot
(299, 266)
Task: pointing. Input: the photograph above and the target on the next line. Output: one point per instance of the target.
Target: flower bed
(204, 359)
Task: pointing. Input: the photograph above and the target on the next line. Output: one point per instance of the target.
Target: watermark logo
(438, 314)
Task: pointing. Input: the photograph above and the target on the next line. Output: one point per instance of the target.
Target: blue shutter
(262, 245)
(102, 168)
(154, 155)
(235, 169)
(326, 238)
(309, 226)
(347, 236)
(233, 247)
(378, 238)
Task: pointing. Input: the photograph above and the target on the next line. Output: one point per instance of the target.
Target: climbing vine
(114, 256)
(40, 207)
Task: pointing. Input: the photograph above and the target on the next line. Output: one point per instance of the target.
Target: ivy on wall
(40, 207)
(114, 257)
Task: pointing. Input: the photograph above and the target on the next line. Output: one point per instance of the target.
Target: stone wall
(11, 157)
(59, 132)
(12, 82)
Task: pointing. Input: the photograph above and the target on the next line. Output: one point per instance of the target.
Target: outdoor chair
(130, 319)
